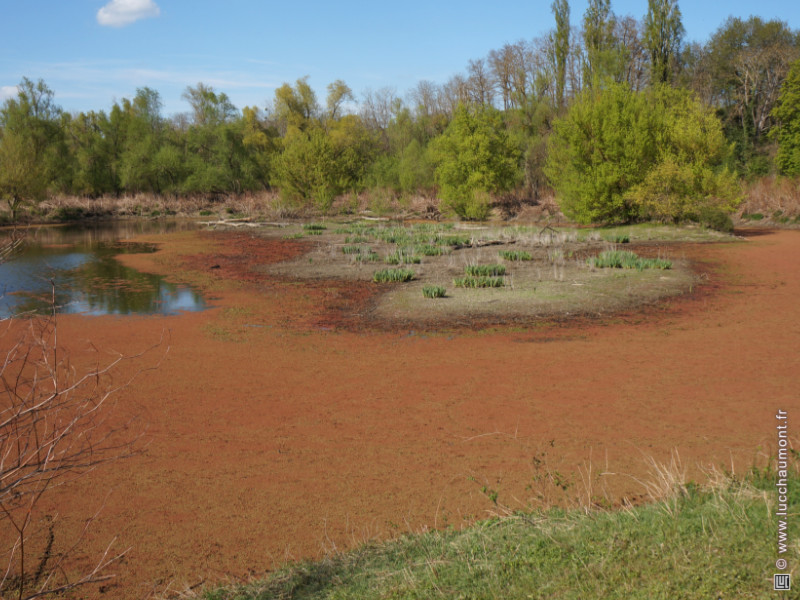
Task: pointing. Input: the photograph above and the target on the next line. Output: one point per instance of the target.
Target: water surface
(76, 267)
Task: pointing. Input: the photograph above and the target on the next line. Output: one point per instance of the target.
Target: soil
(286, 422)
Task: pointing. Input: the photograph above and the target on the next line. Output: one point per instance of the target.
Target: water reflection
(76, 266)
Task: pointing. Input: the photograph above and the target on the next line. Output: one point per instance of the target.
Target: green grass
(370, 256)
(351, 249)
(617, 238)
(485, 270)
(433, 291)
(425, 249)
(392, 275)
(402, 257)
(623, 259)
(471, 281)
(309, 227)
(515, 255)
(753, 216)
(698, 543)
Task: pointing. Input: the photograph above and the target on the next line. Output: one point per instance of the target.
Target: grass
(392, 275)
(697, 542)
(351, 249)
(485, 270)
(623, 259)
(309, 227)
(402, 257)
(515, 255)
(370, 256)
(471, 281)
(617, 238)
(433, 291)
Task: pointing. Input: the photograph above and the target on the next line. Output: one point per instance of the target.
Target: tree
(142, 128)
(561, 47)
(31, 144)
(295, 106)
(663, 32)
(475, 157)
(602, 56)
(620, 156)
(741, 69)
(338, 93)
(787, 113)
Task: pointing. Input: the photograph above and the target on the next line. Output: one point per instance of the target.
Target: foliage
(663, 31)
(787, 112)
(620, 155)
(474, 157)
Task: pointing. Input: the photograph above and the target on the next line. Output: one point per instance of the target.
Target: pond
(77, 266)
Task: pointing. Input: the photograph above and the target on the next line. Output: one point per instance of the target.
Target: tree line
(622, 117)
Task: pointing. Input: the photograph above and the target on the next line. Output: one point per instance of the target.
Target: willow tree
(620, 156)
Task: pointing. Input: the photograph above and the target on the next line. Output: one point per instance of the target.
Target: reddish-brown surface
(272, 436)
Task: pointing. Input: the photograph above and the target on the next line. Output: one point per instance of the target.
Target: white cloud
(119, 13)
(8, 91)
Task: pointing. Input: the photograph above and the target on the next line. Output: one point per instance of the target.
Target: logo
(783, 582)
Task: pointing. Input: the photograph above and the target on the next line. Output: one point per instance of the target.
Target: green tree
(338, 93)
(32, 149)
(663, 32)
(787, 113)
(741, 70)
(295, 106)
(561, 47)
(306, 170)
(620, 156)
(475, 157)
(142, 129)
(602, 59)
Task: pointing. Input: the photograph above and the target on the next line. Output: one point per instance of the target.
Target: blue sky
(93, 52)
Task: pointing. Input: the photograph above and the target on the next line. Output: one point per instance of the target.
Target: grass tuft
(623, 259)
(515, 255)
(485, 270)
(433, 291)
(392, 275)
(478, 282)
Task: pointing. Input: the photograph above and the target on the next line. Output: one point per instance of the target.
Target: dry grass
(772, 196)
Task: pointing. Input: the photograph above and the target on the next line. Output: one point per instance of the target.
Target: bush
(620, 156)
(715, 219)
(474, 158)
